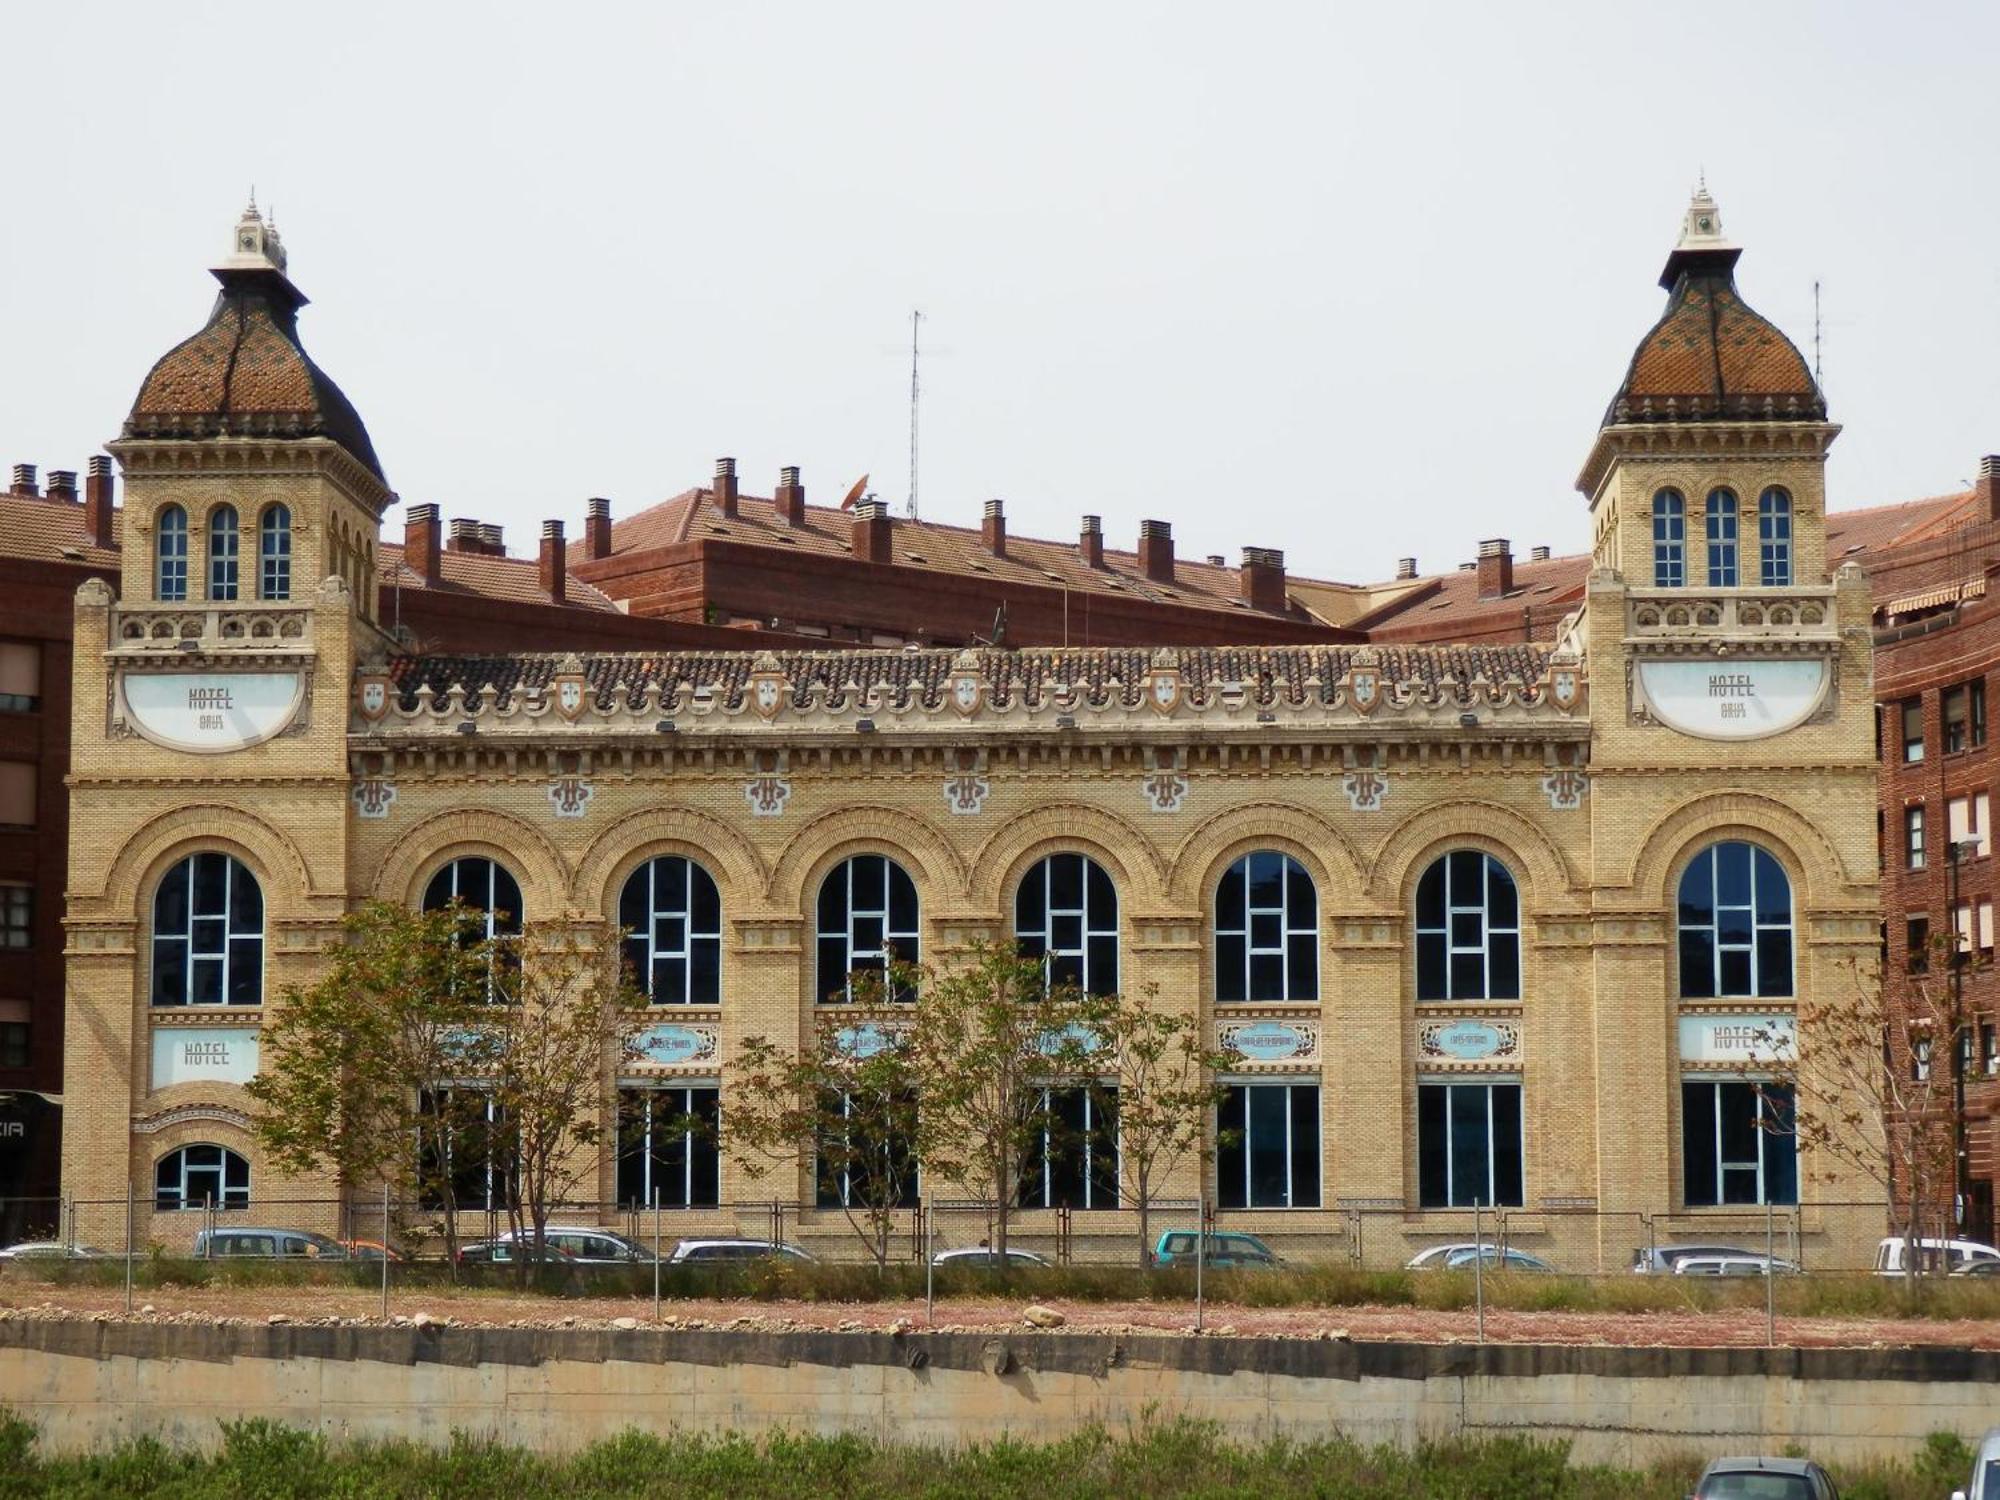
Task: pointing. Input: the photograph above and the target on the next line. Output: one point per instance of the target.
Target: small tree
(1163, 1078)
(848, 1103)
(350, 1063)
(560, 1022)
(1870, 1089)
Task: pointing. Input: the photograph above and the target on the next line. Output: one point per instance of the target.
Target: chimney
(554, 563)
(1988, 489)
(789, 499)
(725, 486)
(490, 541)
(1091, 542)
(1406, 567)
(1262, 581)
(1217, 560)
(993, 529)
(420, 544)
(97, 486)
(1156, 551)
(1496, 568)
(464, 535)
(24, 480)
(62, 485)
(871, 536)
(1538, 554)
(596, 527)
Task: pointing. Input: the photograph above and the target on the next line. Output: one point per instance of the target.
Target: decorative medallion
(1163, 684)
(1469, 1041)
(869, 1037)
(372, 696)
(571, 688)
(1165, 787)
(373, 796)
(1566, 786)
(968, 693)
(674, 1046)
(1270, 1041)
(1364, 689)
(767, 685)
(1566, 687)
(1365, 788)
(768, 790)
(965, 790)
(570, 795)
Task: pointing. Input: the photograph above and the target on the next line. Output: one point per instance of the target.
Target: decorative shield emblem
(374, 697)
(1166, 691)
(765, 694)
(967, 692)
(1564, 685)
(1366, 690)
(570, 694)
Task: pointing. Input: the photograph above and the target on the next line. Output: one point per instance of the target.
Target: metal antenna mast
(911, 509)
(1816, 331)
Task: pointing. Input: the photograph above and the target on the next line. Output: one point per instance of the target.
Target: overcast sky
(1350, 281)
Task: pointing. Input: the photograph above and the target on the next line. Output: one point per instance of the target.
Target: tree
(848, 1101)
(350, 1063)
(1152, 1063)
(1867, 1087)
(561, 1020)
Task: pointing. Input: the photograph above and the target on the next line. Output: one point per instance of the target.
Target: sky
(1355, 282)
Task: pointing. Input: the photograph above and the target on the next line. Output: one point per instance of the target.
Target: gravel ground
(329, 1304)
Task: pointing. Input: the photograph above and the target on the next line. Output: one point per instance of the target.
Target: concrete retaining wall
(550, 1389)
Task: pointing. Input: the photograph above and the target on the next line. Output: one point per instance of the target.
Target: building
(1497, 915)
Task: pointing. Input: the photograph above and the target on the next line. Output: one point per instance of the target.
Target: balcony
(1790, 616)
(221, 629)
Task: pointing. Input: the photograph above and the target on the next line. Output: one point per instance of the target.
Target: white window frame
(1091, 923)
(907, 942)
(226, 1197)
(1456, 906)
(1487, 1084)
(1669, 539)
(1285, 1085)
(683, 1092)
(274, 553)
(224, 953)
(170, 555)
(225, 541)
(1289, 927)
(1722, 539)
(649, 935)
(1774, 538)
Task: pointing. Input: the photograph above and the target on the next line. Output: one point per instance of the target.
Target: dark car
(1764, 1479)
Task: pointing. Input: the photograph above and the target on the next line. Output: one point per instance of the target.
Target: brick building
(1498, 915)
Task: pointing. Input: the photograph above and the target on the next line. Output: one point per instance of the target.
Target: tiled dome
(1711, 357)
(245, 374)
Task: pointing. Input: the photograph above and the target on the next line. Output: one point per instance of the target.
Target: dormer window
(1721, 539)
(1669, 540)
(1774, 538)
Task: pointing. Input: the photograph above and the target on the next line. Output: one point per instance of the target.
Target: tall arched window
(274, 553)
(208, 934)
(198, 1175)
(485, 886)
(170, 553)
(1266, 930)
(867, 912)
(1774, 538)
(1066, 914)
(1721, 539)
(223, 537)
(1669, 540)
(672, 915)
(1468, 929)
(1735, 924)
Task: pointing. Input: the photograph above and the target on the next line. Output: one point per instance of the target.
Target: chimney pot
(97, 508)
(725, 486)
(420, 543)
(993, 528)
(1406, 567)
(490, 539)
(1090, 542)
(596, 527)
(1156, 551)
(1496, 568)
(552, 564)
(62, 484)
(1261, 582)
(464, 534)
(790, 499)
(1988, 488)
(870, 534)
(1538, 554)
(24, 480)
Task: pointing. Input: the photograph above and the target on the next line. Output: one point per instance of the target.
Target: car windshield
(1755, 1486)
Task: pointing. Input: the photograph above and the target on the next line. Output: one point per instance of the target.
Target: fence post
(656, 1252)
(128, 1247)
(1770, 1280)
(385, 1250)
(1200, 1257)
(930, 1265)
(1479, 1266)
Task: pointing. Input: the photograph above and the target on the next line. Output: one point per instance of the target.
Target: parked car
(504, 1253)
(1985, 1481)
(1933, 1255)
(371, 1250)
(1459, 1257)
(709, 1252)
(1764, 1479)
(588, 1245)
(1735, 1264)
(50, 1250)
(266, 1244)
(981, 1258)
(1221, 1249)
(1979, 1268)
(1660, 1259)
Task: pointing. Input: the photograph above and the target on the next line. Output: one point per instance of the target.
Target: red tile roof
(45, 530)
(517, 579)
(1711, 355)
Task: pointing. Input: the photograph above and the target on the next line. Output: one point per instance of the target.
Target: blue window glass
(170, 540)
(1468, 929)
(1738, 1145)
(222, 542)
(867, 918)
(1469, 1145)
(1266, 930)
(1735, 924)
(1774, 538)
(1669, 540)
(1721, 539)
(208, 933)
(672, 916)
(1066, 914)
(274, 553)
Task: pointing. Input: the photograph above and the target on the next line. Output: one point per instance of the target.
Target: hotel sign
(1723, 699)
(1745, 1040)
(205, 1054)
(209, 713)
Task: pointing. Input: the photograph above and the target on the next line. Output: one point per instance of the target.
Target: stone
(624, 1322)
(1038, 1316)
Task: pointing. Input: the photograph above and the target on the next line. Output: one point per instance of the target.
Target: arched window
(672, 915)
(170, 551)
(484, 886)
(1774, 538)
(1721, 539)
(867, 911)
(208, 934)
(274, 553)
(1266, 930)
(1468, 929)
(1735, 924)
(198, 1175)
(1669, 540)
(1066, 914)
(222, 541)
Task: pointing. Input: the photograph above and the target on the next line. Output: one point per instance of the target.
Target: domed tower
(250, 476)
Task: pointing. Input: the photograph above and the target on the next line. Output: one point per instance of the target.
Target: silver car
(1985, 1481)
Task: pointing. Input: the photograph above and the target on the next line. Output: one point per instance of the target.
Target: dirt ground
(342, 1304)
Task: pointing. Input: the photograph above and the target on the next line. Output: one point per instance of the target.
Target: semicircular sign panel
(1733, 700)
(211, 712)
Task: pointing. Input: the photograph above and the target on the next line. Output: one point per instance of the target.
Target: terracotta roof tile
(44, 530)
(1711, 355)
(515, 579)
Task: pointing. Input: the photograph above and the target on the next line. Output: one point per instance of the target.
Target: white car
(712, 1252)
(1985, 1481)
(588, 1245)
(1954, 1256)
(982, 1258)
(1737, 1264)
(50, 1250)
(1460, 1257)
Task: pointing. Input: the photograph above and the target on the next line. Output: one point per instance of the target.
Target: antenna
(910, 509)
(1816, 379)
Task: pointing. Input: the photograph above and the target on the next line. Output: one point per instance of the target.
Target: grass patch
(1164, 1462)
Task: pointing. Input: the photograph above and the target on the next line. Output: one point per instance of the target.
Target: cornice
(1711, 441)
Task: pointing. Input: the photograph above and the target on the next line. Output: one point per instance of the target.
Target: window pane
(246, 971)
(1065, 882)
(902, 900)
(1774, 891)
(211, 884)
(1305, 1145)
(1433, 1142)
(1267, 885)
(1699, 1184)
(1502, 900)
(205, 987)
(1697, 889)
(170, 903)
(1231, 1177)
(1508, 1185)
(1504, 967)
(1267, 976)
(705, 901)
(1304, 977)
(1430, 967)
(1469, 1146)
(1467, 868)
(1299, 892)
(1732, 874)
(705, 975)
(1697, 964)
(1268, 1160)
(1031, 903)
(169, 971)
(1774, 962)
(1430, 897)
(1229, 968)
(1735, 975)
(1229, 899)
(1468, 976)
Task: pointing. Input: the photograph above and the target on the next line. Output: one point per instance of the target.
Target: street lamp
(1961, 943)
